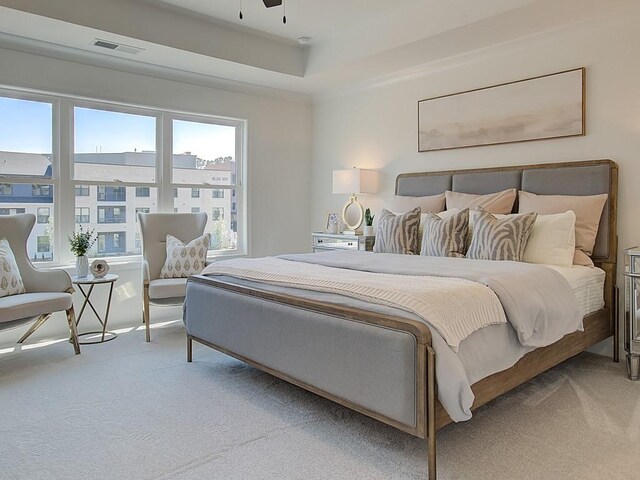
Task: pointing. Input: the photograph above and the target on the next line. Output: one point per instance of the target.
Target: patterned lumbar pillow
(500, 238)
(184, 260)
(398, 233)
(445, 237)
(10, 279)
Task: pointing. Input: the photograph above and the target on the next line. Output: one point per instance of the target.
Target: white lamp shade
(355, 181)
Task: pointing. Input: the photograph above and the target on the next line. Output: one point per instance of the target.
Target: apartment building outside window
(43, 214)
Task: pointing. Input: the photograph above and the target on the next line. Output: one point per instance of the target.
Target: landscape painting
(550, 106)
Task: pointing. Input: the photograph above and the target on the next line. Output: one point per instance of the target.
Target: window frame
(63, 182)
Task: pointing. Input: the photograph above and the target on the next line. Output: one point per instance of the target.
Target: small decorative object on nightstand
(327, 241)
(631, 313)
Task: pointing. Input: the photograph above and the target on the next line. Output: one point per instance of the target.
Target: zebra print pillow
(398, 233)
(500, 238)
(445, 237)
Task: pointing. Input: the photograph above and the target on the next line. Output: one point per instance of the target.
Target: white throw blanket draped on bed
(454, 306)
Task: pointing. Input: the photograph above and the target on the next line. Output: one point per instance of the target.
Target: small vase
(368, 231)
(82, 266)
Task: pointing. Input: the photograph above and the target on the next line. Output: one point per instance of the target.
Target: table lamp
(354, 182)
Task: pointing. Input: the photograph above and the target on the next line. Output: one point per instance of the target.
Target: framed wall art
(549, 106)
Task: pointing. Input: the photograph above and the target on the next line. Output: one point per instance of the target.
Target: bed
(381, 361)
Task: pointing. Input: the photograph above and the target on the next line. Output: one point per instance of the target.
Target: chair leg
(71, 320)
(34, 326)
(145, 316)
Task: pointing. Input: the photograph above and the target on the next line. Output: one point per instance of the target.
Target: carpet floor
(131, 410)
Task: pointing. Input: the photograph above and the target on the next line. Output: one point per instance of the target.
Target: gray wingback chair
(154, 228)
(48, 291)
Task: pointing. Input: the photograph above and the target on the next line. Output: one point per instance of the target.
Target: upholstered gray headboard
(574, 178)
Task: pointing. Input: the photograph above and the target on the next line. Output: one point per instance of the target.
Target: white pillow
(552, 239)
(184, 260)
(10, 279)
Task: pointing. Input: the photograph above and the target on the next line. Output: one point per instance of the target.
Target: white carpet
(131, 410)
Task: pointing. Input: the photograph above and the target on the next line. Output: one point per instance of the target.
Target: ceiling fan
(269, 4)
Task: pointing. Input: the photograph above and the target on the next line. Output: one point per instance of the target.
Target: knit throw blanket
(455, 307)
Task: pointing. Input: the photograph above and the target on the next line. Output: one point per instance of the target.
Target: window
(112, 215)
(112, 194)
(137, 242)
(43, 214)
(26, 139)
(11, 211)
(41, 190)
(44, 244)
(112, 243)
(114, 146)
(82, 190)
(141, 210)
(114, 170)
(83, 215)
(204, 157)
(142, 192)
(217, 214)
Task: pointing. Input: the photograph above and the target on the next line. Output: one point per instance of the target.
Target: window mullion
(65, 204)
(165, 191)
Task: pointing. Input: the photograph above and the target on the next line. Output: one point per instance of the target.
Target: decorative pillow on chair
(445, 236)
(184, 260)
(398, 233)
(500, 238)
(10, 279)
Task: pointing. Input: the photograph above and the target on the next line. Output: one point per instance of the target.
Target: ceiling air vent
(117, 47)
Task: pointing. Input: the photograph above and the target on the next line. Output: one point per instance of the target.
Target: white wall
(278, 155)
(376, 126)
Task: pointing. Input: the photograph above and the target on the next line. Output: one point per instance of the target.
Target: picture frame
(537, 108)
(333, 222)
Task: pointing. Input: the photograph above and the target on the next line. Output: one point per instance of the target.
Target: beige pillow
(10, 279)
(431, 203)
(588, 210)
(185, 260)
(496, 203)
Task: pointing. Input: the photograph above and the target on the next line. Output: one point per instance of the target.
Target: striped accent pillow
(445, 237)
(500, 238)
(398, 233)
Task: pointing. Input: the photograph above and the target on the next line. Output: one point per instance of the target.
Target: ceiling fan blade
(272, 3)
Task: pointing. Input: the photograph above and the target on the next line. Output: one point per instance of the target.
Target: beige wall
(376, 126)
(278, 151)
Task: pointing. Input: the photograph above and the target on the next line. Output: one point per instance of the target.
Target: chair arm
(54, 280)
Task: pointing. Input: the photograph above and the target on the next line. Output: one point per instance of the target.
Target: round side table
(91, 281)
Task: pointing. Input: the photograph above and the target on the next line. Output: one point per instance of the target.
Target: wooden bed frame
(430, 414)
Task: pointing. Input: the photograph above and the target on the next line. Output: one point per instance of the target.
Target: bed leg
(189, 349)
(431, 412)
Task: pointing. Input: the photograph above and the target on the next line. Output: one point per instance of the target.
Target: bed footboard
(379, 365)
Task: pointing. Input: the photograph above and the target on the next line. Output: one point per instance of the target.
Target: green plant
(80, 242)
(368, 218)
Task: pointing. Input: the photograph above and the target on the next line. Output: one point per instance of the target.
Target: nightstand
(338, 241)
(631, 314)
